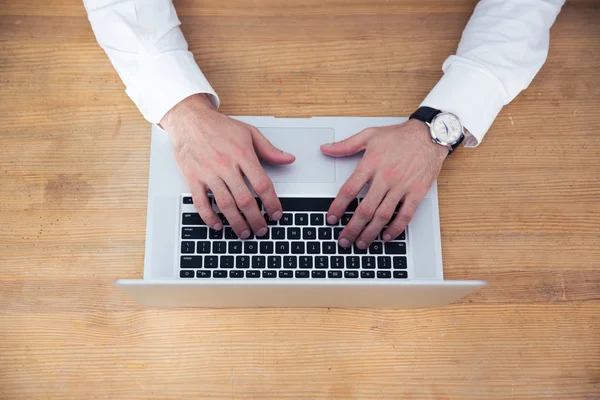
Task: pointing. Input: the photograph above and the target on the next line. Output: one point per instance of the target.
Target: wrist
(425, 136)
(197, 104)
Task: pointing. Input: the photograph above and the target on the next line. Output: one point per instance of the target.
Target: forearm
(503, 47)
(148, 50)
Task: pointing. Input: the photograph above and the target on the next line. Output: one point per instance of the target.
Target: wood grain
(522, 211)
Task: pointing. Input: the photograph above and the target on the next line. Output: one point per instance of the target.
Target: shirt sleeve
(143, 40)
(502, 48)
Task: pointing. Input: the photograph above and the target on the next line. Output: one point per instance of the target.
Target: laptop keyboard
(302, 245)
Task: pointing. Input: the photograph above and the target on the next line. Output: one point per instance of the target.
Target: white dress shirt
(502, 48)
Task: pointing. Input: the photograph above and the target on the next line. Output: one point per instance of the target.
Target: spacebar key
(306, 203)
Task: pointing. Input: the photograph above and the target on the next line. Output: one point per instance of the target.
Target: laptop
(298, 263)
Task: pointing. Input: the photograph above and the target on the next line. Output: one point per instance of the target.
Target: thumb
(349, 146)
(269, 153)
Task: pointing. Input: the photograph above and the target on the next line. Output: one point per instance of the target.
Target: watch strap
(425, 114)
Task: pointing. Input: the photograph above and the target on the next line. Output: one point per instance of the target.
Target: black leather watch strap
(425, 114)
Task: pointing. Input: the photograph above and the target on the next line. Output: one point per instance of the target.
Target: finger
(348, 192)
(247, 204)
(263, 187)
(228, 207)
(266, 151)
(363, 215)
(204, 207)
(349, 146)
(405, 214)
(382, 216)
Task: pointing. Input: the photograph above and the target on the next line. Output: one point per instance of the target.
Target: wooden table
(522, 211)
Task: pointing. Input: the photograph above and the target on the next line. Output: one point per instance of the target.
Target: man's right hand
(215, 152)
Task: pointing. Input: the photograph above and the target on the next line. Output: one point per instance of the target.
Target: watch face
(446, 128)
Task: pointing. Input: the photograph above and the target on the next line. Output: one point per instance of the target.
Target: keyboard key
(191, 219)
(305, 262)
(353, 205)
(235, 247)
(274, 262)
(188, 200)
(258, 261)
(186, 274)
(337, 262)
(242, 262)
(395, 248)
(226, 262)
(286, 274)
(353, 262)
(302, 274)
(236, 274)
(400, 274)
(219, 273)
(203, 248)
(269, 274)
(187, 247)
(290, 262)
(400, 263)
(402, 236)
(368, 262)
(219, 247)
(223, 219)
(329, 247)
(317, 219)
(334, 274)
(252, 274)
(384, 274)
(301, 219)
(321, 262)
(376, 248)
(213, 234)
(282, 247)
(344, 250)
(251, 247)
(313, 248)
(278, 233)
(266, 247)
(293, 233)
(360, 251)
(336, 233)
(309, 233)
(270, 221)
(286, 219)
(367, 274)
(230, 234)
(265, 236)
(199, 232)
(384, 262)
(318, 274)
(211, 262)
(305, 203)
(191, 262)
(297, 247)
(351, 274)
(325, 234)
(346, 218)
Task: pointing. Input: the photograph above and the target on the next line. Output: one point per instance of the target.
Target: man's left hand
(400, 164)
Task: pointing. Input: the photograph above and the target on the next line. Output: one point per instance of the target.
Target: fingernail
(361, 245)
(261, 232)
(328, 145)
(218, 226)
(344, 242)
(387, 237)
(245, 234)
(331, 219)
(276, 216)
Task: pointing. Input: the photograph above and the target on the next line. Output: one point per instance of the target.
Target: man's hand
(215, 152)
(400, 163)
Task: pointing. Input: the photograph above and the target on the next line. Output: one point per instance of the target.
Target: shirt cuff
(471, 92)
(163, 80)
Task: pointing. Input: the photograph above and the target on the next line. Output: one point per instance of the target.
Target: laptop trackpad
(311, 166)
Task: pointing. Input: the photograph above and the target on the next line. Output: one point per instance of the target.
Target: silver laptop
(298, 264)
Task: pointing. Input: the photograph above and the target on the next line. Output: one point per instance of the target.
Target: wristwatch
(445, 128)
